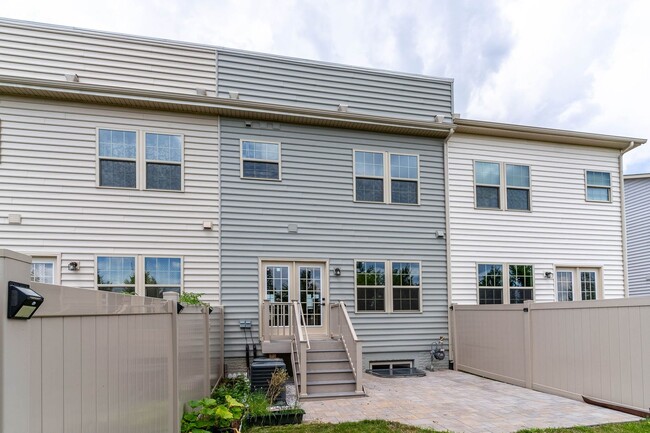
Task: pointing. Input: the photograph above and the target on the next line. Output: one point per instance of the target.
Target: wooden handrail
(351, 342)
(300, 338)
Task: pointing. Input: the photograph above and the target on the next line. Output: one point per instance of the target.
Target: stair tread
(324, 350)
(331, 382)
(342, 370)
(317, 395)
(321, 361)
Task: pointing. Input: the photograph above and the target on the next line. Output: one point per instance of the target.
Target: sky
(569, 64)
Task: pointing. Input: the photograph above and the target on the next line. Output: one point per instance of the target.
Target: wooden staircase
(329, 371)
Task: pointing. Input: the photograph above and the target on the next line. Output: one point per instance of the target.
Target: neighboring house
(637, 218)
(137, 165)
(535, 214)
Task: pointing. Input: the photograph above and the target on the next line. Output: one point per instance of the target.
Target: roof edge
(536, 133)
(636, 176)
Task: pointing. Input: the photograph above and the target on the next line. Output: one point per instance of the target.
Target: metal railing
(341, 326)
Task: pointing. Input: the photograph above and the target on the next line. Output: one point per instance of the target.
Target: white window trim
(505, 280)
(587, 186)
(140, 288)
(242, 159)
(386, 177)
(503, 186)
(140, 159)
(577, 294)
(388, 287)
(390, 363)
(50, 258)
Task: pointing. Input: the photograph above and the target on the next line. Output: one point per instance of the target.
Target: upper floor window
(492, 284)
(489, 186)
(375, 184)
(404, 179)
(117, 158)
(121, 162)
(164, 157)
(260, 160)
(599, 186)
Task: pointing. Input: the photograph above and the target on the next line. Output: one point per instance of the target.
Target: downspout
(626, 290)
(448, 239)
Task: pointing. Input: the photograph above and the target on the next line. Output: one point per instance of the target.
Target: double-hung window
(142, 275)
(599, 186)
(116, 274)
(369, 176)
(43, 270)
(163, 159)
(118, 158)
(123, 161)
(492, 285)
(383, 177)
(488, 186)
(400, 291)
(404, 174)
(260, 160)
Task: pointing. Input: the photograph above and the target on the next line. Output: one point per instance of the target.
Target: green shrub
(238, 387)
(208, 413)
(190, 298)
(257, 404)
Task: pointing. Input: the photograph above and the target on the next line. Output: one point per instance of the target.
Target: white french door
(305, 282)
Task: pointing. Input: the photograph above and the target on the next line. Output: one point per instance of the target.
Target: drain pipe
(448, 242)
(632, 145)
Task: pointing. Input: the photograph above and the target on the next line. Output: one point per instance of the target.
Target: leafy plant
(257, 403)
(190, 298)
(239, 387)
(207, 413)
(276, 384)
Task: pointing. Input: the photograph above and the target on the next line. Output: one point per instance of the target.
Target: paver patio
(460, 402)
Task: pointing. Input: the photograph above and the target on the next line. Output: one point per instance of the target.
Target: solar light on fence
(23, 301)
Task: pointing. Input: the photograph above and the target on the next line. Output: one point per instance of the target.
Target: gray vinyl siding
(48, 176)
(49, 53)
(322, 86)
(637, 218)
(316, 193)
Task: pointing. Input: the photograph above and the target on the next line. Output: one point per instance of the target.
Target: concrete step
(329, 386)
(331, 395)
(322, 354)
(328, 364)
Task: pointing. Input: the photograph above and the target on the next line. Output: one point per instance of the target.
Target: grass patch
(628, 427)
(394, 427)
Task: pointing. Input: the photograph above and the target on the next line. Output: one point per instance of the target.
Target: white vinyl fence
(91, 361)
(599, 350)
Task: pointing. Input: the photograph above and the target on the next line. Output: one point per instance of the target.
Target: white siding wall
(47, 175)
(637, 214)
(562, 228)
(48, 53)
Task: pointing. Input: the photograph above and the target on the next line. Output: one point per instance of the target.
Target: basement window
(394, 369)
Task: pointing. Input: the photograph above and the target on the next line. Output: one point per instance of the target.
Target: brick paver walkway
(459, 402)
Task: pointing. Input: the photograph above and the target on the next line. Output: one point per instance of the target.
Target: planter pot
(276, 418)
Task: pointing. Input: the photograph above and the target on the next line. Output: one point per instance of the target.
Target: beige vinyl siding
(316, 194)
(637, 215)
(47, 175)
(49, 53)
(303, 83)
(562, 228)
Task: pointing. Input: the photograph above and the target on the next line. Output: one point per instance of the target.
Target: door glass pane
(43, 272)
(277, 290)
(310, 294)
(588, 285)
(564, 286)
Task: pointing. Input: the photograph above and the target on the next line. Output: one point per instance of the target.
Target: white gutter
(448, 237)
(626, 289)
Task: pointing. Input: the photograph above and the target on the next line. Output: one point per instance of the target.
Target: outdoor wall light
(548, 274)
(73, 266)
(337, 272)
(23, 301)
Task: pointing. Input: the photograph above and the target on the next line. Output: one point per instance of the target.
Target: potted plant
(261, 411)
(209, 416)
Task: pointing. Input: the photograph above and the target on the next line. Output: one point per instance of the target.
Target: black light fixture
(548, 274)
(23, 301)
(73, 266)
(179, 308)
(337, 272)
